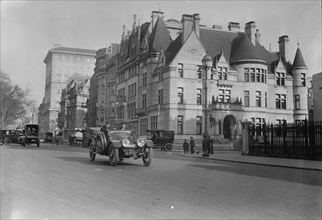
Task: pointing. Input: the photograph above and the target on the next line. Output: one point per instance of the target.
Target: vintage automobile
(48, 137)
(162, 138)
(118, 145)
(9, 136)
(31, 135)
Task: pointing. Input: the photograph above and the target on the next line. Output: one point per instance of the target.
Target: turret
(300, 89)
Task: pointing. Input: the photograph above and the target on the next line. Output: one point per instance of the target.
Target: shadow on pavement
(103, 161)
(310, 177)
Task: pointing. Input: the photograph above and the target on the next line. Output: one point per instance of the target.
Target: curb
(249, 162)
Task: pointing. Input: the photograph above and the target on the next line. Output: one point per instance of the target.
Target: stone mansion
(157, 79)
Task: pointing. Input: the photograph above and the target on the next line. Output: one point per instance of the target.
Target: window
(143, 126)
(154, 122)
(252, 74)
(303, 80)
(145, 79)
(246, 70)
(222, 73)
(180, 124)
(281, 101)
(199, 97)
(258, 99)
(280, 79)
(144, 101)
(224, 95)
(258, 123)
(297, 101)
(180, 95)
(198, 125)
(180, 70)
(160, 97)
(199, 72)
(265, 99)
(246, 95)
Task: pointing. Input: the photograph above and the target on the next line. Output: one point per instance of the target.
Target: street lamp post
(207, 64)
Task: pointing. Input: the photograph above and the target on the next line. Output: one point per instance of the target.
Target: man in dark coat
(185, 146)
(192, 145)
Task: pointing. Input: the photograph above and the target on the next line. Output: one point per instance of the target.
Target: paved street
(61, 182)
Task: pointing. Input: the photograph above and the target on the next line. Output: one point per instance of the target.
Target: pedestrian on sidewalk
(192, 145)
(185, 146)
(211, 146)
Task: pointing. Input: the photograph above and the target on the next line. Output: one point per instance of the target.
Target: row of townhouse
(157, 79)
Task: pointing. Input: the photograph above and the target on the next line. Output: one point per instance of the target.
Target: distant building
(62, 65)
(73, 109)
(317, 96)
(101, 88)
(161, 79)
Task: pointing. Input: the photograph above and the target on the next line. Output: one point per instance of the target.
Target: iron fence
(296, 140)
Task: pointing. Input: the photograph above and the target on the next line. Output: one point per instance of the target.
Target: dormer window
(222, 73)
(280, 79)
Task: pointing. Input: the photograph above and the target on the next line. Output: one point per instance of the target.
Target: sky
(29, 29)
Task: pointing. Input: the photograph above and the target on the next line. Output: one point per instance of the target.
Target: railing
(301, 140)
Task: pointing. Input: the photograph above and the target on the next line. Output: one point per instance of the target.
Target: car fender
(149, 143)
(116, 143)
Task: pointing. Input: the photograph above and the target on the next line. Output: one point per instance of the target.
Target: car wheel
(168, 147)
(147, 157)
(113, 155)
(7, 141)
(92, 154)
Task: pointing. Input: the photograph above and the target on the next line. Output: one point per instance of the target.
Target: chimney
(233, 26)
(283, 47)
(196, 24)
(154, 16)
(187, 25)
(258, 36)
(250, 28)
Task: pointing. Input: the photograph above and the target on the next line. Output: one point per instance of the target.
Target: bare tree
(14, 102)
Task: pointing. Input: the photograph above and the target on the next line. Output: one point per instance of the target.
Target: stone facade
(163, 59)
(62, 65)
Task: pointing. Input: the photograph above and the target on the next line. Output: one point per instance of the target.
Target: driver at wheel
(105, 129)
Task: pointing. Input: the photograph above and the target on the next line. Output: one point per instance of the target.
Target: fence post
(284, 133)
(265, 137)
(306, 137)
(272, 138)
(246, 133)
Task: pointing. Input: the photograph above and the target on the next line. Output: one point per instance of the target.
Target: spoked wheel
(113, 155)
(92, 153)
(168, 147)
(147, 157)
(7, 141)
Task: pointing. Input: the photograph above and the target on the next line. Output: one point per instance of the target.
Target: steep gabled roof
(160, 37)
(144, 30)
(215, 40)
(298, 60)
(173, 49)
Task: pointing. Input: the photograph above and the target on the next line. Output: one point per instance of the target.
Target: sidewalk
(236, 156)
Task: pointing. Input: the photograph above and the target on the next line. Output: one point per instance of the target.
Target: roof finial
(298, 42)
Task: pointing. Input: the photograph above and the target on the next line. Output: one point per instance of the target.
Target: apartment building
(63, 64)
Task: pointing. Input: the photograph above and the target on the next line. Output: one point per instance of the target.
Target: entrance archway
(229, 127)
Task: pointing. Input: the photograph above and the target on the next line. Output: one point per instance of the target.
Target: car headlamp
(140, 142)
(126, 142)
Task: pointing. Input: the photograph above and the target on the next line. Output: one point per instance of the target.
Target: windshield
(119, 135)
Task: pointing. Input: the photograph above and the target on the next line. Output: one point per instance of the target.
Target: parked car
(31, 135)
(58, 139)
(120, 144)
(162, 138)
(9, 136)
(48, 137)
